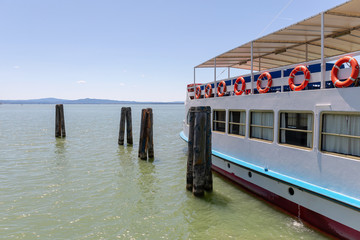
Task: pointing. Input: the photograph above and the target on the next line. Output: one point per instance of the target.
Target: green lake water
(87, 187)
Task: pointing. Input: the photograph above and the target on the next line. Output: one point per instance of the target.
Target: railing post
(215, 78)
(322, 53)
(252, 69)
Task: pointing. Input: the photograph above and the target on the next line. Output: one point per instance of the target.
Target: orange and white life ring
(208, 90)
(243, 86)
(354, 72)
(198, 92)
(259, 80)
(220, 94)
(191, 87)
(292, 76)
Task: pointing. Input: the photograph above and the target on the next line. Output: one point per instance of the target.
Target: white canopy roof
(289, 45)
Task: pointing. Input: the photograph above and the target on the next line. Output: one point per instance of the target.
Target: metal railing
(280, 84)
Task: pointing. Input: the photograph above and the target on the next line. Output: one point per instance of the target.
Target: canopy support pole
(306, 52)
(322, 53)
(214, 77)
(252, 70)
(228, 72)
(194, 80)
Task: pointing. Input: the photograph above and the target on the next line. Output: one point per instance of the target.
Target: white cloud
(142, 75)
(122, 84)
(81, 82)
(16, 67)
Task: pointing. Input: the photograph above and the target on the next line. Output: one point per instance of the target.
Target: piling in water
(142, 139)
(146, 146)
(149, 134)
(59, 121)
(208, 174)
(189, 173)
(199, 176)
(129, 137)
(125, 117)
(122, 126)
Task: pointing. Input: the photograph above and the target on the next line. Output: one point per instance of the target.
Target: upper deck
(317, 42)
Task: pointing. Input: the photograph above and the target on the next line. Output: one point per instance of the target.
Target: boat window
(262, 125)
(237, 122)
(219, 120)
(296, 129)
(341, 133)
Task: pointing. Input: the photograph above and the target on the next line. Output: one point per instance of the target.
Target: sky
(136, 50)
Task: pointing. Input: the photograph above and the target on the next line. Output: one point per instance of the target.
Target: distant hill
(79, 101)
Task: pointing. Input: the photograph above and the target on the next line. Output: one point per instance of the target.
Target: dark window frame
(217, 122)
(241, 111)
(296, 130)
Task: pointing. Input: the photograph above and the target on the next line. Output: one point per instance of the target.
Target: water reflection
(125, 150)
(60, 156)
(60, 144)
(216, 198)
(147, 180)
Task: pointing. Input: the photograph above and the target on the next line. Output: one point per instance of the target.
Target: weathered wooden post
(146, 146)
(122, 126)
(199, 176)
(129, 137)
(208, 174)
(199, 153)
(149, 133)
(125, 116)
(143, 138)
(59, 121)
(189, 168)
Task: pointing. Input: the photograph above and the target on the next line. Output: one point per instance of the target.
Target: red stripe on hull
(315, 219)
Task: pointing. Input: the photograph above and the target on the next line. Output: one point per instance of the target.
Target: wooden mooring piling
(199, 175)
(59, 121)
(125, 117)
(146, 145)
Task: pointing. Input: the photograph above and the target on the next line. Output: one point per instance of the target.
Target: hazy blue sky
(128, 50)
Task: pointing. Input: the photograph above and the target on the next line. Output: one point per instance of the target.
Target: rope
(220, 74)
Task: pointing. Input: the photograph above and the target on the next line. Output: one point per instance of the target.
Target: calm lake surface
(87, 187)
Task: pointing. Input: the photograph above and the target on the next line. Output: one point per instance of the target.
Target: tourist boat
(289, 129)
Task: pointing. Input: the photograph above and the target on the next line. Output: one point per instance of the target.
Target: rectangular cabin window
(340, 133)
(219, 120)
(237, 122)
(296, 129)
(262, 125)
